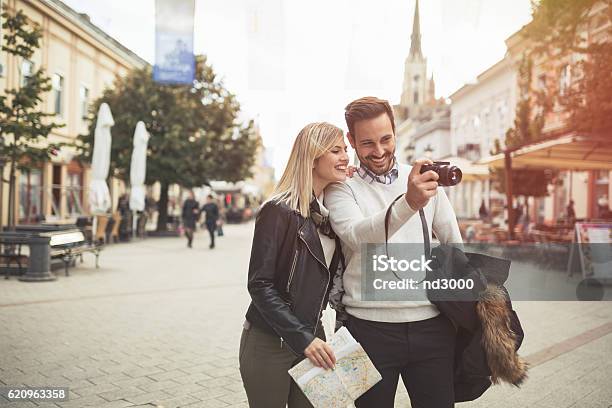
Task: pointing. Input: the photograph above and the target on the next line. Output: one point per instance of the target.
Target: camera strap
(426, 241)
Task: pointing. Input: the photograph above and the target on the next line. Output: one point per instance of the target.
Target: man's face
(374, 143)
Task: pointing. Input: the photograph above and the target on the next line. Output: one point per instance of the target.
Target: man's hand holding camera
(421, 187)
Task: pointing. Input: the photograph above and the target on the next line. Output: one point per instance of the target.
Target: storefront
(583, 166)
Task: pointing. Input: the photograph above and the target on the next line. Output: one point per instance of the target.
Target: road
(158, 324)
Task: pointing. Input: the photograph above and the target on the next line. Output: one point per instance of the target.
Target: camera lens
(454, 175)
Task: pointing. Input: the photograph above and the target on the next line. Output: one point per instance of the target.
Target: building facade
(553, 76)
(422, 122)
(481, 113)
(417, 89)
(81, 61)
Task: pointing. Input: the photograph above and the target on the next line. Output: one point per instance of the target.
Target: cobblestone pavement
(159, 324)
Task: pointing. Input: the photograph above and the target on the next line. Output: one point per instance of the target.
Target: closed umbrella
(99, 196)
(138, 168)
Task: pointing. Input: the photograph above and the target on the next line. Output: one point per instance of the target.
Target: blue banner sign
(174, 59)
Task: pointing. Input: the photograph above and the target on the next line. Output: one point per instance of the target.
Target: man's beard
(390, 160)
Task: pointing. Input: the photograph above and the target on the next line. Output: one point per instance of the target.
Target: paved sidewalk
(159, 324)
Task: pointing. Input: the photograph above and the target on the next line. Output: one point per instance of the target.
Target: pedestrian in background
(602, 206)
(221, 220)
(570, 213)
(211, 209)
(190, 215)
(482, 211)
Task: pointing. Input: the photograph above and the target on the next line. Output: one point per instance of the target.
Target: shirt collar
(320, 199)
(320, 216)
(387, 178)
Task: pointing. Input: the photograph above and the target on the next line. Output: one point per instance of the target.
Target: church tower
(417, 89)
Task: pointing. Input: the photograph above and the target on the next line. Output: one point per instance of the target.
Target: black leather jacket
(288, 279)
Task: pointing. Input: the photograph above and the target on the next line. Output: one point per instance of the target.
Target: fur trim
(498, 339)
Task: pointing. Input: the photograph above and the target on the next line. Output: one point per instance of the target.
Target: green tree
(581, 29)
(195, 135)
(24, 128)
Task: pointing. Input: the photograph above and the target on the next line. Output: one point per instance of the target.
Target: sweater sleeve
(445, 223)
(352, 226)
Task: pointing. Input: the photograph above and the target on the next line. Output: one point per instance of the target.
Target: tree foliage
(557, 25)
(578, 31)
(195, 134)
(562, 31)
(23, 125)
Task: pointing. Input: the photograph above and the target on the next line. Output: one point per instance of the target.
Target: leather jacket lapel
(308, 233)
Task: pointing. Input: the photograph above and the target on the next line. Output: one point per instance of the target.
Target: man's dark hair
(210, 196)
(368, 107)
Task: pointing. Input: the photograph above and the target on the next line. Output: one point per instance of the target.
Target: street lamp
(429, 151)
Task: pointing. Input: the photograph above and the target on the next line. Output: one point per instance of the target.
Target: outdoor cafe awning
(569, 152)
(471, 171)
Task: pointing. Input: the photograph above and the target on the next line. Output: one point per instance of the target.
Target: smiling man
(409, 337)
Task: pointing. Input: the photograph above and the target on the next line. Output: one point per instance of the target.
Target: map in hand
(354, 374)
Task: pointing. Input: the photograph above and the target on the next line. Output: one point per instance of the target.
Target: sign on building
(174, 59)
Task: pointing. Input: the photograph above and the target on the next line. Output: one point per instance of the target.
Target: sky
(294, 62)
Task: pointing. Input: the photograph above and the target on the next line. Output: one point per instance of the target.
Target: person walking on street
(221, 220)
(211, 209)
(570, 213)
(602, 206)
(482, 211)
(190, 215)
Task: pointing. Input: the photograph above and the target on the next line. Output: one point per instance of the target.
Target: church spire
(415, 38)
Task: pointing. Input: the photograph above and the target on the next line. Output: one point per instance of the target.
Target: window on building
(502, 109)
(565, 79)
(415, 86)
(26, 71)
(56, 190)
(74, 193)
(30, 196)
(84, 100)
(57, 84)
(542, 82)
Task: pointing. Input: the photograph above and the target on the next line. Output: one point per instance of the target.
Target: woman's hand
(320, 354)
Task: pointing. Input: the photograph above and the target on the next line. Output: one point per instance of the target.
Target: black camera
(449, 175)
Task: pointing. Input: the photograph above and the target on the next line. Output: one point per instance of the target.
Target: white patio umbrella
(99, 196)
(138, 168)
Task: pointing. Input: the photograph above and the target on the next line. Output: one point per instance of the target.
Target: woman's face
(331, 167)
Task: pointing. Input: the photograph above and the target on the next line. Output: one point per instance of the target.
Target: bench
(10, 251)
(70, 244)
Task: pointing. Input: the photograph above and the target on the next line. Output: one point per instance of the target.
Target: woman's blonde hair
(295, 185)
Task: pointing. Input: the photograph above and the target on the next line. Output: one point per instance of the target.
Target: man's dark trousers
(421, 352)
(211, 227)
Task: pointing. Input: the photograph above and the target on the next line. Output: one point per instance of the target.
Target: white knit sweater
(357, 212)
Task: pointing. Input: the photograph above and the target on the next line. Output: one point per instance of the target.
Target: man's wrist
(408, 202)
(403, 209)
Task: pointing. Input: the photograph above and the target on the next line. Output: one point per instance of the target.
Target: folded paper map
(338, 388)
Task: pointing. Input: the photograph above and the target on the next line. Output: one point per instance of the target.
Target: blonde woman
(294, 249)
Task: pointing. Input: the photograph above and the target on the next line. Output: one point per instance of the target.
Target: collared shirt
(386, 178)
